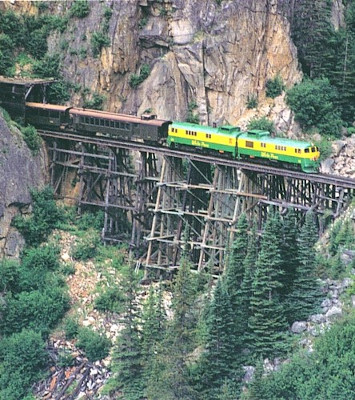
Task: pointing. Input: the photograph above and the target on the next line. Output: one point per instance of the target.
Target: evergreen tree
(153, 328)
(255, 388)
(127, 356)
(306, 292)
(170, 374)
(218, 362)
(289, 252)
(267, 322)
(233, 279)
(235, 268)
(247, 283)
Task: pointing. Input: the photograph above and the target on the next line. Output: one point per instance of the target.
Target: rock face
(213, 54)
(20, 172)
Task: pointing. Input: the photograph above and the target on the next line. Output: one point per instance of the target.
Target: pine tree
(170, 377)
(233, 279)
(153, 325)
(267, 322)
(289, 252)
(247, 283)
(306, 292)
(235, 268)
(218, 362)
(127, 356)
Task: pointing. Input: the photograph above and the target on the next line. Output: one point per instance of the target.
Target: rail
(336, 180)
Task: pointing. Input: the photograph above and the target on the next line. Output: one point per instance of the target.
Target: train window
(43, 113)
(97, 121)
(263, 145)
(117, 125)
(313, 149)
(249, 144)
(128, 127)
(102, 122)
(208, 136)
(87, 120)
(54, 114)
(112, 124)
(107, 122)
(306, 150)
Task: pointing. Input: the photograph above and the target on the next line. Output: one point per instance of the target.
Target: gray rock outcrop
(20, 172)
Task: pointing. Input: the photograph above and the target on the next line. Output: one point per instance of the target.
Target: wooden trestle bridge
(163, 199)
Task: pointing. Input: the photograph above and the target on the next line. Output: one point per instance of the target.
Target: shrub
(32, 138)
(36, 310)
(9, 275)
(49, 67)
(314, 105)
(80, 9)
(136, 80)
(95, 103)
(37, 43)
(22, 359)
(58, 92)
(94, 345)
(274, 87)
(33, 273)
(98, 41)
(112, 299)
(252, 102)
(191, 117)
(71, 327)
(91, 220)
(44, 218)
(6, 54)
(86, 247)
(262, 124)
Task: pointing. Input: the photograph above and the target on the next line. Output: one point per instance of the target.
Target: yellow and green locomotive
(254, 144)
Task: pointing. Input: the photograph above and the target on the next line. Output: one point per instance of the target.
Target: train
(253, 145)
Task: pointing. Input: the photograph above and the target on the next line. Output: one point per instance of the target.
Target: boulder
(299, 327)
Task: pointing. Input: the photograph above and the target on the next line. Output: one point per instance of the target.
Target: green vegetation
(79, 9)
(325, 373)
(136, 80)
(22, 360)
(191, 116)
(252, 101)
(86, 247)
(274, 87)
(45, 215)
(96, 102)
(99, 40)
(314, 105)
(262, 123)
(112, 300)
(32, 138)
(94, 345)
(326, 52)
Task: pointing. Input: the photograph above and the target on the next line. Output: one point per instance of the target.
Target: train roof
(117, 117)
(300, 144)
(45, 106)
(227, 130)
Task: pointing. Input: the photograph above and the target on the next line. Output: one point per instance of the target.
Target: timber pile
(81, 379)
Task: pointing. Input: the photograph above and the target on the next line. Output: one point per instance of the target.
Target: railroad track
(336, 180)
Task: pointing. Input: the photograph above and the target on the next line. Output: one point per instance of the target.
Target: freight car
(230, 140)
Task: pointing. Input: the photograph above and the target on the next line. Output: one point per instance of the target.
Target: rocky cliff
(20, 172)
(211, 53)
